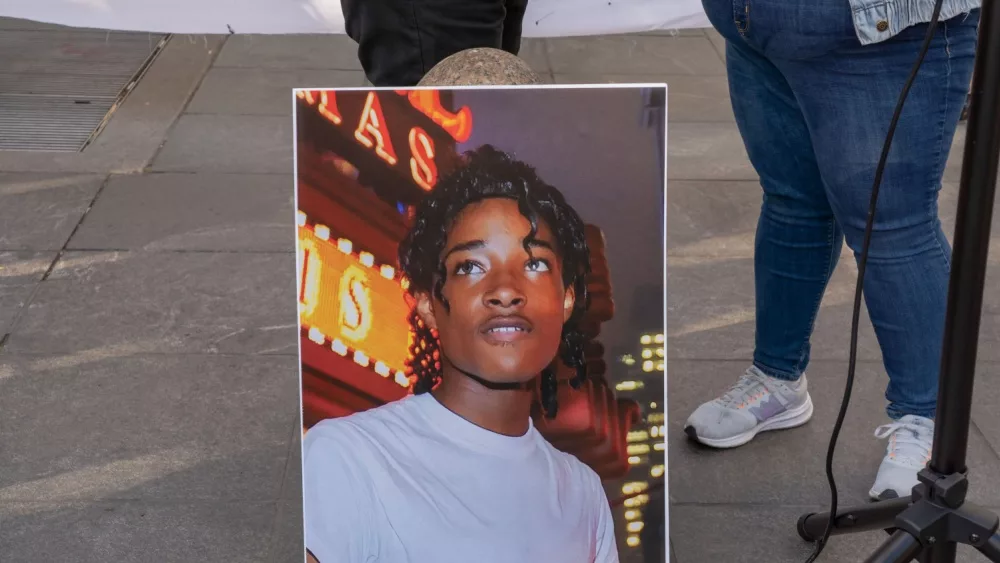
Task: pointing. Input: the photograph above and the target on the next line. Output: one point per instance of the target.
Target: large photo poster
(544, 18)
(481, 311)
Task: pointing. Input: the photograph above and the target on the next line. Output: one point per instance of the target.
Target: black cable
(852, 362)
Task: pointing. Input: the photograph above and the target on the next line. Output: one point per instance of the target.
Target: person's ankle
(782, 376)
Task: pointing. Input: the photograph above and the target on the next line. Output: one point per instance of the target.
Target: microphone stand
(930, 524)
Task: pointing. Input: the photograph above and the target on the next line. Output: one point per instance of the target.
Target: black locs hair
(487, 173)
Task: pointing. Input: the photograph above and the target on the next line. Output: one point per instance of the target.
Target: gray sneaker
(756, 403)
(911, 439)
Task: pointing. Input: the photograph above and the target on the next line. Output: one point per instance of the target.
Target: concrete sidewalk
(148, 353)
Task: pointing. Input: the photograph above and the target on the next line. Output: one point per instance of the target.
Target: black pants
(401, 40)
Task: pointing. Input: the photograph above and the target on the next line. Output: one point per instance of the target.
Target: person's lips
(505, 329)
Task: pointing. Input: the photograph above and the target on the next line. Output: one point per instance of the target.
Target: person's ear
(425, 308)
(568, 302)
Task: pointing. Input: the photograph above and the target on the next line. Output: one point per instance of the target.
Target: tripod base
(992, 548)
(927, 526)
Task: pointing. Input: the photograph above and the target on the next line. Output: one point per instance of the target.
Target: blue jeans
(813, 106)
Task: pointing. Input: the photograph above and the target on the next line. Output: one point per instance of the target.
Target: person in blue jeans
(814, 84)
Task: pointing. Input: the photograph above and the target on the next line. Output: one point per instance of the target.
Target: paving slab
(238, 144)
(707, 151)
(122, 424)
(712, 219)
(138, 127)
(764, 533)
(718, 43)
(292, 488)
(288, 543)
(534, 51)
(301, 51)
(136, 532)
(288, 539)
(163, 302)
(20, 272)
(689, 98)
(710, 313)
(792, 462)
(18, 24)
(948, 212)
(986, 397)
(638, 53)
(192, 211)
(39, 211)
(670, 32)
(956, 156)
(257, 91)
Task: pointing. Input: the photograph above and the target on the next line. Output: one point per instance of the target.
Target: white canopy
(545, 18)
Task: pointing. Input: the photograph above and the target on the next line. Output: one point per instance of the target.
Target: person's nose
(506, 293)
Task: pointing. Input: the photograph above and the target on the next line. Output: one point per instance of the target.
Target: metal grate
(58, 88)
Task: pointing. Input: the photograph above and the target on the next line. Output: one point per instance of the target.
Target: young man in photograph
(497, 263)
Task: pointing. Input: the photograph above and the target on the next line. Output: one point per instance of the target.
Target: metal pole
(972, 235)
(992, 549)
(875, 516)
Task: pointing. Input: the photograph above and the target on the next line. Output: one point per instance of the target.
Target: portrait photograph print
(481, 295)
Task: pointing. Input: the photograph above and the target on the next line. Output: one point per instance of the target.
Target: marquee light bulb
(360, 358)
(322, 232)
(402, 380)
(316, 335)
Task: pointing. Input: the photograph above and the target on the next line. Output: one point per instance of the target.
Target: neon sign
(457, 124)
(408, 142)
(348, 302)
(355, 304)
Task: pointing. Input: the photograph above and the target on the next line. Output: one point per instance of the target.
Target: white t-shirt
(412, 482)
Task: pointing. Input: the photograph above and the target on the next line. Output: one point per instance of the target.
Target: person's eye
(538, 265)
(468, 267)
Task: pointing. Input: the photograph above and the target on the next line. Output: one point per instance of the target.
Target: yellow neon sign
(357, 306)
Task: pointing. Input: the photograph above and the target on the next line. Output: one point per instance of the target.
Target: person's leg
(796, 249)
(512, 26)
(399, 41)
(848, 96)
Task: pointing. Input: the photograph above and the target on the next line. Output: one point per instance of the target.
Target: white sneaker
(755, 404)
(909, 450)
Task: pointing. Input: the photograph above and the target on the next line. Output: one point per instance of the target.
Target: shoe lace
(909, 443)
(743, 390)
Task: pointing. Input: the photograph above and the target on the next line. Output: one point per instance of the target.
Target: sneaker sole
(788, 419)
(887, 494)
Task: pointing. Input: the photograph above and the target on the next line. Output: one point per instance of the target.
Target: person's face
(507, 308)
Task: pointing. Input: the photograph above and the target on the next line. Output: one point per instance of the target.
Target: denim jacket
(878, 20)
